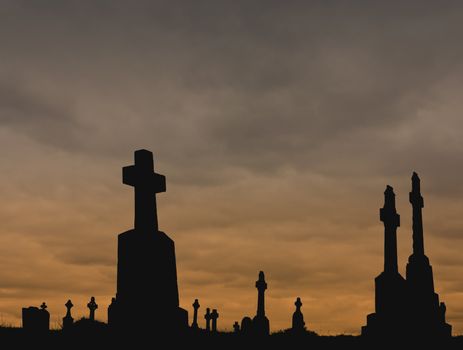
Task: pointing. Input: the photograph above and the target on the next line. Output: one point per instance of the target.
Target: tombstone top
(92, 305)
(196, 304)
(298, 303)
(260, 283)
(214, 314)
(69, 304)
(146, 183)
(43, 306)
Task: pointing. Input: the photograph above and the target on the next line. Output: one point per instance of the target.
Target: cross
(236, 327)
(69, 306)
(214, 317)
(146, 183)
(195, 314)
(208, 317)
(43, 306)
(298, 303)
(92, 305)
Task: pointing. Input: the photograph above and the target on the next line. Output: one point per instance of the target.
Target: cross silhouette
(92, 305)
(147, 183)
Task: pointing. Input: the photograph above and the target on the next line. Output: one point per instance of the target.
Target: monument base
(147, 293)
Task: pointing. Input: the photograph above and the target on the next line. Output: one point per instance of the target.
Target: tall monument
(260, 323)
(406, 308)
(427, 315)
(147, 291)
(390, 286)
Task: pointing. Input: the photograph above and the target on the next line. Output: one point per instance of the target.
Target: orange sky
(278, 128)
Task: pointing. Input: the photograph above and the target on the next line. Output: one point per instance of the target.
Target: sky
(278, 125)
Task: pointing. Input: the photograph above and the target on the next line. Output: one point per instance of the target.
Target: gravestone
(208, 318)
(196, 306)
(260, 323)
(246, 325)
(146, 266)
(36, 320)
(112, 312)
(92, 306)
(68, 321)
(214, 317)
(236, 327)
(298, 324)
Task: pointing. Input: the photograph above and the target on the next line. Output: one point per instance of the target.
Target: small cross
(92, 305)
(298, 303)
(214, 317)
(69, 306)
(236, 327)
(195, 314)
(208, 317)
(43, 306)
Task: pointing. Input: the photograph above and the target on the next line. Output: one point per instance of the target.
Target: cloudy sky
(278, 125)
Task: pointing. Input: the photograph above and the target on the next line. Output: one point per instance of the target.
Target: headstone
(236, 327)
(260, 323)
(68, 321)
(298, 324)
(92, 306)
(196, 306)
(208, 318)
(112, 312)
(146, 267)
(214, 317)
(36, 320)
(246, 326)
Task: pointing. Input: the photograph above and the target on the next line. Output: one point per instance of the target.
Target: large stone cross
(146, 183)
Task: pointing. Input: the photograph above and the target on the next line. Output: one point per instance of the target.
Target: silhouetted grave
(406, 308)
(68, 321)
(196, 306)
(208, 317)
(112, 313)
(236, 327)
(260, 323)
(146, 267)
(298, 324)
(214, 317)
(246, 325)
(36, 320)
(92, 306)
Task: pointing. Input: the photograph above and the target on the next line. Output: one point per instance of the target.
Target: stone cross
(195, 314)
(68, 320)
(92, 305)
(43, 306)
(208, 317)
(236, 327)
(146, 183)
(69, 305)
(261, 286)
(388, 215)
(214, 317)
(298, 317)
